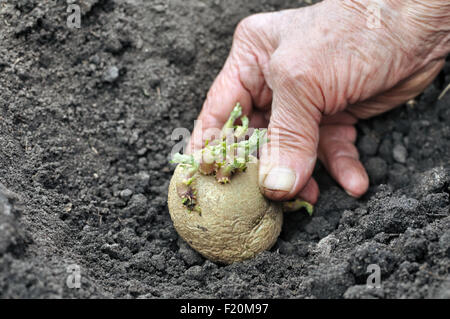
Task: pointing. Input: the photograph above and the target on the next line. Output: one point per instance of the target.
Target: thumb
(287, 160)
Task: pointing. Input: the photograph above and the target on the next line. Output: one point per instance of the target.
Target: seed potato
(234, 221)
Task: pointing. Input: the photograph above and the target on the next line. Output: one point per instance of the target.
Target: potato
(236, 221)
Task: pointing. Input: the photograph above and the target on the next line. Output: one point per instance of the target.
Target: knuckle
(345, 133)
(281, 68)
(341, 149)
(290, 137)
(350, 133)
(298, 76)
(255, 27)
(245, 27)
(287, 69)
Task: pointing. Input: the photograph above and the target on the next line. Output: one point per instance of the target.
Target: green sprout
(218, 157)
(185, 189)
(241, 130)
(235, 114)
(297, 204)
(223, 159)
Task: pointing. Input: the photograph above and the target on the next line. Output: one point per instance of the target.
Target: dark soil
(85, 123)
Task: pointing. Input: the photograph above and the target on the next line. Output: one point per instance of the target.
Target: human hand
(309, 74)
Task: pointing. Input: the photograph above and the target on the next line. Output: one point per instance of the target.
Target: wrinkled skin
(309, 74)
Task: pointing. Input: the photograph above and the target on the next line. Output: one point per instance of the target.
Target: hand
(309, 74)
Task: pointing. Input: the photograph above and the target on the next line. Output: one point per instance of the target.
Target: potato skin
(236, 221)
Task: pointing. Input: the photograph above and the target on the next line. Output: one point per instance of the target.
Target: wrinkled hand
(309, 74)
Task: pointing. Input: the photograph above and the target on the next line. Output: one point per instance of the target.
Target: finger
(310, 192)
(288, 159)
(226, 91)
(340, 156)
(241, 79)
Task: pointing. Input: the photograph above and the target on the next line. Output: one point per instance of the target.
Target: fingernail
(350, 193)
(279, 178)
